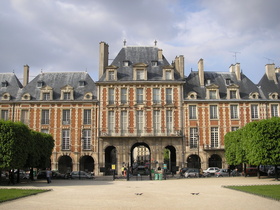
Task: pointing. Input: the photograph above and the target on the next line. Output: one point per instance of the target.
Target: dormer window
(40, 83)
(26, 96)
(212, 92)
(254, 95)
(5, 84)
(273, 96)
(111, 73)
(232, 94)
(88, 96)
(82, 83)
(228, 81)
(67, 93)
(154, 63)
(140, 71)
(208, 82)
(6, 96)
(192, 95)
(233, 91)
(46, 93)
(125, 63)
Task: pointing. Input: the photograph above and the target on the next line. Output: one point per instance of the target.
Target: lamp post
(197, 139)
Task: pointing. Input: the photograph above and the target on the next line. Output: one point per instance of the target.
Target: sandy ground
(193, 193)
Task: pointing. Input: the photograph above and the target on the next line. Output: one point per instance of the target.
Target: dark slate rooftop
(268, 86)
(9, 84)
(246, 86)
(58, 80)
(139, 54)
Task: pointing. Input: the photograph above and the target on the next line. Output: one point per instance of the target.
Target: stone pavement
(192, 193)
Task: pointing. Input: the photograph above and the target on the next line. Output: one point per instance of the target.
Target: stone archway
(193, 161)
(215, 161)
(65, 164)
(87, 164)
(110, 159)
(170, 158)
(140, 158)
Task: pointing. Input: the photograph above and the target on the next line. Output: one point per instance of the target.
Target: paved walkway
(155, 194)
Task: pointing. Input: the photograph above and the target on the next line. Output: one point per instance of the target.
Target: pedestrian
(48, 175)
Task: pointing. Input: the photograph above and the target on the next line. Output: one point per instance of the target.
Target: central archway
(87, 164)
(140, 159)
(110, 159)
(170, 158)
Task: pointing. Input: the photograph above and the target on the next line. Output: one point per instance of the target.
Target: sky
(64, 35)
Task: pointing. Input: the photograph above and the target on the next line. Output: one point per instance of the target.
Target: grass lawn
(10, 194)
(269, 191)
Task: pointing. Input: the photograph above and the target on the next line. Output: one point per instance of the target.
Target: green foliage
(166, 154)
(10, 194)
(257, 143)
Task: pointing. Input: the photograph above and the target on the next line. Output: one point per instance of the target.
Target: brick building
(142, 112)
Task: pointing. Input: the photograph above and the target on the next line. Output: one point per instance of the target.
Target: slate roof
(139, 54)
(246, 86)
(268, 86)
(58, 80)
(13, 85)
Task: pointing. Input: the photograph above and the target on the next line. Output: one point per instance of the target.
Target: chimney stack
(201, 72)
(235, 69)
(160, 54)
(270, 72)
(179, 65)
(103, 57)
(25, 75)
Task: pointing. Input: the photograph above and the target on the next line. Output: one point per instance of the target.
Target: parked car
(55, 175)
(271, 171)
(252, 171)
(80, 174)
(222, 172)
(211, 170)
(192, 172)
(22, 174)
(183, 171)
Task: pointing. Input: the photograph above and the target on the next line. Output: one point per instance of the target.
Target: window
(123, 96)
(4, 115)
(46, 96)
(111, 75)
(139, 96)
(45, 131)
(214, 137)
(234, 111)
(139, 121)
(234, 128)
(45, 118)
(126, 63)
(40, 84)
(111, 96)
(254, 112)
(168, 96)
(111, 122)
(24, 116)
(274, 110)
(156, 121)
(193, 138)
(168, 75)
(212, 94)
(154, 63)
(86, 139)
(192, 112)
(66, 117)
(232, 94)
(169, 126)
(65, 140)
(82, 83)
(156, 96)
(66, 95)
(228, 81)
(139, 74)
(124, 121)
(87, 116)
(213, 112)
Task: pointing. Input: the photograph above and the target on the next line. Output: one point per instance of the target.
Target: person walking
(48, 175)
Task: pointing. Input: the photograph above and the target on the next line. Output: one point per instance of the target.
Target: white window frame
(24, 116)
(193, 137)
(111, 96)
(4, 114)
(66, 116)
(156, 121)
(234, 111)
(214, 137)
(86, 139)
(123, 95)
(254, 111)
(168, 96)
(87, 117)
(156, 95)
(65, 139)
(213, 109)
(192, 112)
(274, 110)
(124, 122)
(139, 121)
(169, 121)
(111, 122)
(45, 117)
(140, 95)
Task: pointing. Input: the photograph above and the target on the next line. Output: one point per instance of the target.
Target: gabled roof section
(139, 55)
(269, 86)
(59, 80)
(10, 84)
(220, 79)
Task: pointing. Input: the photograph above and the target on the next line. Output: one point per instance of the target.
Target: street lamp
(197, 141)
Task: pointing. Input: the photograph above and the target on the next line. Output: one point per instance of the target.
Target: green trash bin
(156, 176)
(160, 177)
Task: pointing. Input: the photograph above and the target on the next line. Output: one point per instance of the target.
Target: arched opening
(65, 164)
(193, 161)
(87, 164)
(215, 161)
(170, 159)
(140, 159)
(110, 159)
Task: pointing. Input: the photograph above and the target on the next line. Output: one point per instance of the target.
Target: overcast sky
(64, 35)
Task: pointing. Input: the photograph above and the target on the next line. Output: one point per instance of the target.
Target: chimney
(25, 75)
(270, 72)
(231, 68)
(201, 72)
(179, 65)
(103, 57)
(237, 71)
(160, 54)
